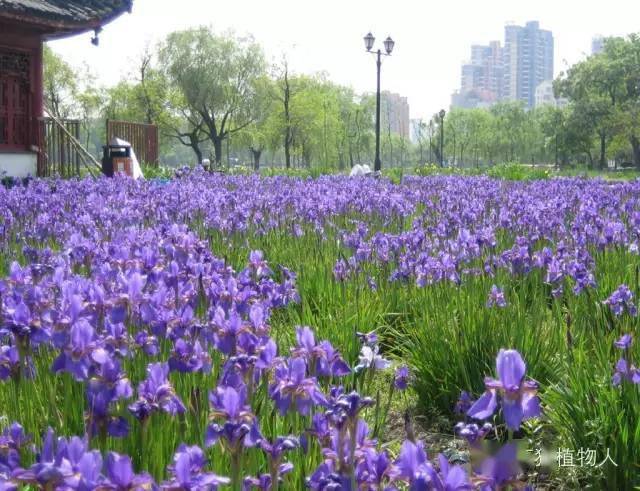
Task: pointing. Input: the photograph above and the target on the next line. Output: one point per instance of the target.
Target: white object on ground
(360, 170)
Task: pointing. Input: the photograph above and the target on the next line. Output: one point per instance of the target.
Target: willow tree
(217, 76)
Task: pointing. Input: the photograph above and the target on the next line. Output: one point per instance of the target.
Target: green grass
(450, 339)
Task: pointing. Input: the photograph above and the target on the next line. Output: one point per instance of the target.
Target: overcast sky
(432, 37)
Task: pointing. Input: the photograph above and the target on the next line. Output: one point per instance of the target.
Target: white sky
(432, 37)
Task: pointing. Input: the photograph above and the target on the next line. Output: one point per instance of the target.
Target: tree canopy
(206, 89)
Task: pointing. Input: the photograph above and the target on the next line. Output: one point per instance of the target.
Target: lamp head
(389, 44)
(368, 41)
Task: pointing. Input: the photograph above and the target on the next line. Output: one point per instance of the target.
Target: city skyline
(512, 71)
(328, 38)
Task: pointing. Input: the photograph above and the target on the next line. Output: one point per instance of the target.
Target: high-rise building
(528, 61)
(597, 45)
(482, 78)
(416, 130)
(546, 97)
(509, 73)
(395, 114)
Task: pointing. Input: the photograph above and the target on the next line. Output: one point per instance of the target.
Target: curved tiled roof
(65, 14)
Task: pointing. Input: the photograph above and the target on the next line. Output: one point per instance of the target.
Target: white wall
(18, 164)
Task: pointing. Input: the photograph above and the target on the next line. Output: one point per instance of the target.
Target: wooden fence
(143, 139)
(58, 153)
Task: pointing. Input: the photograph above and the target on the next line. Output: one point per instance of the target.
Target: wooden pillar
(38, 75)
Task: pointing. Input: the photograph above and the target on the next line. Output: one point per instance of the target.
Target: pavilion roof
(64, 17)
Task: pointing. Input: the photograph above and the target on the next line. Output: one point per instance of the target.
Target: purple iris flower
(368, 338)
(624, 369)
(347, 406)
(499, 471)
(189, 357)
(518, 396)
(85, 465)
(322, 358)
(348, 445)
(371, 282)
(121, 477)
(465, 401)
(156, 393)
(108, 385)
(451, 478)
(375, 470)
(620, 301)
(258, 318)
(135, 285)
(412, 457)
(100, 421)
(239, 370)
(624, 342)
(148, 343)
(228, 330)
(292, 387)
(275, 451)
(325, 478)
(82, 353)
(267, 354)
(496, 297)
(24, 324)
(413, 466)
(187, 472)
(472, 432)
(233, 421)
(258, 264)
(47, 471)
(262, 483)
(116, 339)
(9, 362)
(319, 429)
(401, 378)
(341, 270)
(12, 440)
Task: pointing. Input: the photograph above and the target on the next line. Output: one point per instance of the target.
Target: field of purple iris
(239, 332)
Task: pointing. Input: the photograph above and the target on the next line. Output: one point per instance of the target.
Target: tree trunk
(196, 149)
(635, 145)
(436, 151)
(287, 150)
(217, 149)
(287, 117)
(603, 151)
(256, 152)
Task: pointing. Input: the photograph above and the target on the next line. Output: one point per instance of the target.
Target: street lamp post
(388, 47)
(442, 114)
